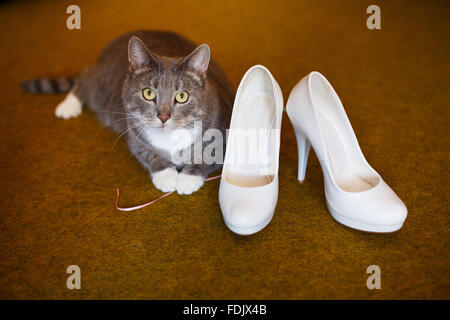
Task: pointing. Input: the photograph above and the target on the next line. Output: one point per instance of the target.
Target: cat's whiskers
(120, 119)
(129, 116)
(140, 130)
(113, 107)
(115, 112)
(133, 125)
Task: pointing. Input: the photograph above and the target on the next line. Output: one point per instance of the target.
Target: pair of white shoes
(355, 193)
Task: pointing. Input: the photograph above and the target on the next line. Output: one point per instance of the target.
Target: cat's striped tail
(49, 85)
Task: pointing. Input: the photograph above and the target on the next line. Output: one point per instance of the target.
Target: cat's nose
(163, 117)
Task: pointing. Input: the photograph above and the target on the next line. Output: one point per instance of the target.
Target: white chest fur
(170, 140)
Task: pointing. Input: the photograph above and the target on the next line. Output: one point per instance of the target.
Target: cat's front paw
(165, 180)
(187, 183)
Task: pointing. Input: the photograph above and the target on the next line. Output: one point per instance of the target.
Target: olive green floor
(58, 180)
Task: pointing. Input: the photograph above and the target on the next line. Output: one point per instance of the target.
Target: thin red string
(150, 202)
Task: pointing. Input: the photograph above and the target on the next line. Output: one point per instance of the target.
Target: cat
(145, 85)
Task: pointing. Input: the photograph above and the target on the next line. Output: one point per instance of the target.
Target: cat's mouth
(160, 125)
(170, 124)
(154, 123)
(163, 125)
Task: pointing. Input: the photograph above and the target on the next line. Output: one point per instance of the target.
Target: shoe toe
(243, 217)
(392, 213)
(378, 210)
(387, 211)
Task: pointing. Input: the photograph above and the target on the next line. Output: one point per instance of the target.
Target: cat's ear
(198, 61)
(139, 56)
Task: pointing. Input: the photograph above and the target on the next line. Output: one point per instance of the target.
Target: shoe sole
(361, 226)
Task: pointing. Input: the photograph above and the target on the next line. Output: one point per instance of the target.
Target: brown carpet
(58, 181)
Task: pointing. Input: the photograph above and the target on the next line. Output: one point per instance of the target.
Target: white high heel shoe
(248, 190)
(356, 194)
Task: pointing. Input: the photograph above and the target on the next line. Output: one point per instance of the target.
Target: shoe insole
(253, 163)
(340, 164)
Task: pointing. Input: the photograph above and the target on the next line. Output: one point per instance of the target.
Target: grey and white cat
(147, 84)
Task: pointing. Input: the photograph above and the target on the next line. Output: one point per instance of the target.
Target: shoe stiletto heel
(303, 146)
(355, 193)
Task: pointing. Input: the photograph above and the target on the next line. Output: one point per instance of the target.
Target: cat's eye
(148, 94)
(182, 97)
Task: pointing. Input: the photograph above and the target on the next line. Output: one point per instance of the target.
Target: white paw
(165, 180)
(69, 107)
(187, 183)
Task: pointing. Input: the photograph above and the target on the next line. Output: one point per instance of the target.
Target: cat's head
(165, 92)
